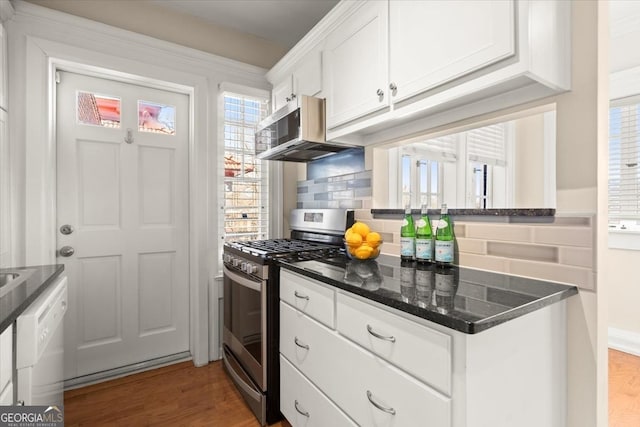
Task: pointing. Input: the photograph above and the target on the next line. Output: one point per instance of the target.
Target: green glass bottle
(407, 237)
(444, 239)
(424, 237)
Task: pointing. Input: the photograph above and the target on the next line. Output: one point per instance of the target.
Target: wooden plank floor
(624, 389)
(176, 395)
(182, 395)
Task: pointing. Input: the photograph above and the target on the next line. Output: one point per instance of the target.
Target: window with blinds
(246, 181)
(487, 145)
(624, 159)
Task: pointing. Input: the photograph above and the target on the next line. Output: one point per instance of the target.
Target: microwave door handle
(247, 283)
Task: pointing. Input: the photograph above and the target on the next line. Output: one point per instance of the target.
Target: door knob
(67, 251)
(66, 229)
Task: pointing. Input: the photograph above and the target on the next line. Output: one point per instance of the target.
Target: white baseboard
(626, 341)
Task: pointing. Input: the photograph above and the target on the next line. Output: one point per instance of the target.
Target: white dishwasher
(40, 348)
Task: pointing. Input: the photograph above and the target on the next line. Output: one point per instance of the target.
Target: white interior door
(122, 187)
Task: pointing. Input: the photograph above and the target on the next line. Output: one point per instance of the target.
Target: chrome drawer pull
(299, 344)
(300, 295)
(305, 413)
(382, 337)
(379, 406)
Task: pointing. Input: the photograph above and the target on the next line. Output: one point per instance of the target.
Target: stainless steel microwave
(296, 133)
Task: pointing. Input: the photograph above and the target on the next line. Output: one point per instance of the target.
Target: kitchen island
(393, 343)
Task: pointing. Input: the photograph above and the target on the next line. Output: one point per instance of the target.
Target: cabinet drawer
(303, 404)
(416, 349)
(305, 343)
(311, 298)
(355, 379)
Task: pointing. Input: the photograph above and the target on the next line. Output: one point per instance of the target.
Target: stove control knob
(243, 266)
(227, 258)
(253, 269)
(235, 262)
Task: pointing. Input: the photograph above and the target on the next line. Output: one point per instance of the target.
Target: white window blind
(245, 195)
(487, 144)
(624, 159)
(446, 146)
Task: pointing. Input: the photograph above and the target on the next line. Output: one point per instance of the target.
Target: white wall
(621, 277)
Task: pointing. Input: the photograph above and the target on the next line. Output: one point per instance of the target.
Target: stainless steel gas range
(251, 295)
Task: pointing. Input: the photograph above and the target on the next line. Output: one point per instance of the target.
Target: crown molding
(6, 10)
(78, 28)
(313, 38)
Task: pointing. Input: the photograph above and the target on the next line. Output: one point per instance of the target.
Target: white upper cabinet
(306, 79)
(392, 68)
(355, 60)
(435, 42)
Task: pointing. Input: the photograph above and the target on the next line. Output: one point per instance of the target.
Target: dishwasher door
(40, 348)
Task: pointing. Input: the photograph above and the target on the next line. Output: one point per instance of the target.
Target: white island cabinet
(379, 366)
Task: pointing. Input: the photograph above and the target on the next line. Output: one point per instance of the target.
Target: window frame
(272, 199)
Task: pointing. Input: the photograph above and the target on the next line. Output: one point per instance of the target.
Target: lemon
(347, 232)
(361, 228)
(373, 239)
(363, 252)
(353, 240)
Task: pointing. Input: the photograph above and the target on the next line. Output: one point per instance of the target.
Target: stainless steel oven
(245, 335)
(251, 295)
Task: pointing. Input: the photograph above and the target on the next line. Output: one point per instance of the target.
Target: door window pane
(98, 110)
(156, 118)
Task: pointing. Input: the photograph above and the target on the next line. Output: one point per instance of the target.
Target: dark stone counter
(463, 299)
(19, 298)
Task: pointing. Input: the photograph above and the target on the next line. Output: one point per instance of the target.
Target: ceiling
(283, 22)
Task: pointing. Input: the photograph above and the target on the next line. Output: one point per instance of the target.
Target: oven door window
(243, 316)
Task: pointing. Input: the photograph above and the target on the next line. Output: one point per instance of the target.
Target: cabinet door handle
(297, 295)
(301, 412)
(382, 337)
(300, 344)
(293, 96)
(393, 88)
(380, 93)
(379, 406)
(288, 99)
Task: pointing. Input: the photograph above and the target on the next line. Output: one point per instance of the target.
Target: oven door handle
(247, 283)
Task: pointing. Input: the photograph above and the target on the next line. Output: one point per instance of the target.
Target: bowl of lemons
(362, 243)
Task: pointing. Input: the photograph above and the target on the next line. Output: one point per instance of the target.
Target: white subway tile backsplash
(582, 277)
(580, 257)
(483, 262)
(561, 251)
(564, 236)
(507, 232)
(523, 251)
(475, 246)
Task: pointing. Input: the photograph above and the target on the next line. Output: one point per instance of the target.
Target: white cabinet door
(303, 404)
(307, 78)
(5, 194)
(6, 395)
(281, 93)
(6, 357)
(435, 42)
(355, 65)
(3, 69)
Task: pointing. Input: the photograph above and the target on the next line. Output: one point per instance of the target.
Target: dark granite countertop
(463, 299)
(19, 298)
